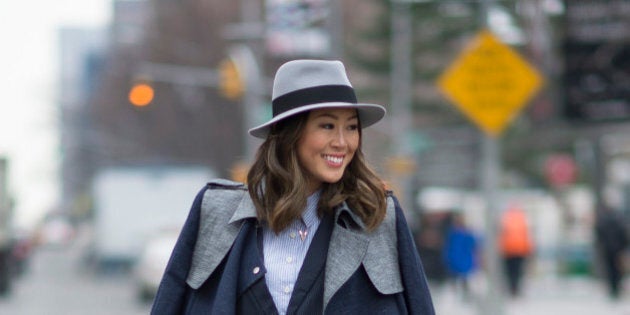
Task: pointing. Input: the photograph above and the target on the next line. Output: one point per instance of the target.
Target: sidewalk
(541, 296)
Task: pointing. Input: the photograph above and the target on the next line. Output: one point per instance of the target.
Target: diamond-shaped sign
(490, 83)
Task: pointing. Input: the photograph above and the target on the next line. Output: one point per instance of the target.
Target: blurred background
(116, 112)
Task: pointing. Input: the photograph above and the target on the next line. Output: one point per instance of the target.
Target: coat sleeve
(173, 290)
(417, 295)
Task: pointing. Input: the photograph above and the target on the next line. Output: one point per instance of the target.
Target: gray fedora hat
(303, 85)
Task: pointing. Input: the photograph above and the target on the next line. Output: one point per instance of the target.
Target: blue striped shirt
(285, 252)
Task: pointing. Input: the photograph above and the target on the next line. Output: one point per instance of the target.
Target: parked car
(150, 267)
(21, 252)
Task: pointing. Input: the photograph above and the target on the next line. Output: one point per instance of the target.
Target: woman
(313, 232)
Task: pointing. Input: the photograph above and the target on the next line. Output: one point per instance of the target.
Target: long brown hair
(278, 186)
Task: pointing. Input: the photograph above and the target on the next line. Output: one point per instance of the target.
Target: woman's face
(327, 144)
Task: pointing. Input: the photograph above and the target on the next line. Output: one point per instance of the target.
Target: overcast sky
(28, 109)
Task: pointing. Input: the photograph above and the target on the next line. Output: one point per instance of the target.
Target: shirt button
(256, 270)
(287, 289)
(289, 259)
(292, 235)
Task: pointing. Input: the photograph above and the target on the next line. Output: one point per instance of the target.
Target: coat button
(256, 270)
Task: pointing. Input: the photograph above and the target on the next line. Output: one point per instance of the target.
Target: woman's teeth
(334, 159)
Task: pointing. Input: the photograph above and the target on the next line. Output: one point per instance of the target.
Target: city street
(543, 295)
(57, 284)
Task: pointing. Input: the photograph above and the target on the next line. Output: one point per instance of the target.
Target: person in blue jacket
(461, 253)
(313, 232)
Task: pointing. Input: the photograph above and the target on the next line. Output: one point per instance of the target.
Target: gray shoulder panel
(216, 233)
(381, 260)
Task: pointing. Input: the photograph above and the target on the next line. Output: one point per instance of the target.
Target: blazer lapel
(348, 246)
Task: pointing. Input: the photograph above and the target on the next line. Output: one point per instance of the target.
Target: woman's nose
(340, 139)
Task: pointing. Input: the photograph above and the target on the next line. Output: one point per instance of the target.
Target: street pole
(336, 29)
(401, 99)
(247, 54)
(178, 74)
(491, 171)
(401, 76)
(493, 300)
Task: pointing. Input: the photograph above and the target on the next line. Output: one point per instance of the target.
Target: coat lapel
(351, 246)
(347, 248)
(381, 260)
(222, 212)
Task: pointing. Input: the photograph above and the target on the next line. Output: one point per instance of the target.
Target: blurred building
(186, 122)
(81, 57)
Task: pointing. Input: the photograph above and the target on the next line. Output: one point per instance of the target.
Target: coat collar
(245, 210)
(224, 211)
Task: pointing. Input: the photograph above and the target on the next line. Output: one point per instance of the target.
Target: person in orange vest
(515, 246)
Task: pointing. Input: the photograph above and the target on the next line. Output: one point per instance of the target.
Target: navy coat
(213, 262)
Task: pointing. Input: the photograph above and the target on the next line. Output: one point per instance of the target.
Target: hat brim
(369, 114)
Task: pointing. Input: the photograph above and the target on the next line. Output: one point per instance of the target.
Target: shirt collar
(246, 209)
(309, 216)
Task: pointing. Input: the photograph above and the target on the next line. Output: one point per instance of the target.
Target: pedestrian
(515, 245)
(461, 254)
(612, 241)
(314, 231)
(430, 243)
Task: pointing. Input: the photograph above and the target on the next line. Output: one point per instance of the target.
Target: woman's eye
(327, 126)
(353, 127)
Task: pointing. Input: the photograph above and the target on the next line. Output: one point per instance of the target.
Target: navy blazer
(376, 272)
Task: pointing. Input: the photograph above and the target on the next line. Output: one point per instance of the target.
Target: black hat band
(313, 95)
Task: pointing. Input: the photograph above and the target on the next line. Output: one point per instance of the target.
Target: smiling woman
(239, 251)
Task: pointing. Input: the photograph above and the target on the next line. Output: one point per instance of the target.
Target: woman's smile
(334, 160)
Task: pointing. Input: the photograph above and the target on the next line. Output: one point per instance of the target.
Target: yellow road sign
(490, 83)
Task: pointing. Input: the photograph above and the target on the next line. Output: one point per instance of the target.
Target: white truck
(132, 204)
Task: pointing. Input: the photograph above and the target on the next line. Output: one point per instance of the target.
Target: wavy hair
(278, 185)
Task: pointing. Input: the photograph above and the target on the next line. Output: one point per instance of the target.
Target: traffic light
(230, 82)
(141, 94)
